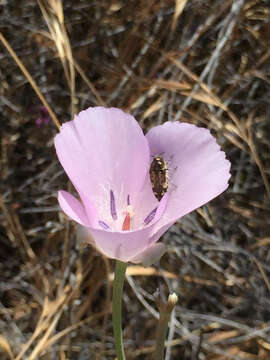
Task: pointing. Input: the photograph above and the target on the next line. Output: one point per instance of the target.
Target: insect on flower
(159, 176)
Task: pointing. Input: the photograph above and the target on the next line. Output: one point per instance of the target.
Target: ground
(199, 61)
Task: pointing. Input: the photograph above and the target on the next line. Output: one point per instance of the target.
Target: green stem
(165, 310)
(119, 277)
(161, 335)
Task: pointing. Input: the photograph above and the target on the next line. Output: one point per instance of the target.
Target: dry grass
(200, 61)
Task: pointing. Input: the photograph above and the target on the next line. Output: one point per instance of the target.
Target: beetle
(159, 176)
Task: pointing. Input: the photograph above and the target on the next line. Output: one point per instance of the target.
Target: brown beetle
(159, 176)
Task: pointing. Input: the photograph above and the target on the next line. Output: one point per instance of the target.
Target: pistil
(127, 220)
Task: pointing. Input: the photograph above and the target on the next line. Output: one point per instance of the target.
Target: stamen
(150, 216)
(128, 199)
(112, 204)
(103, 225)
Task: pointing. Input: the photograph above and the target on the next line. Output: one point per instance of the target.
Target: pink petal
(72, 207)
(144, 203)
(83, 236)
(97, 150)
(197, 169)
(121, 245)
(151, 255)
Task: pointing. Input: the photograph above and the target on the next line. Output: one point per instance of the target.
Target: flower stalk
(119, 277)
(165, 310)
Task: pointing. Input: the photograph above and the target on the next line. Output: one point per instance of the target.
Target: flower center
(123, 221)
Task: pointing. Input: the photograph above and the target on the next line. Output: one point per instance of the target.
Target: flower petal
(150, 255)
(121, 245)
(83, 236)
(144, 203)
(72, 207)
(97, 150)
(198, 171)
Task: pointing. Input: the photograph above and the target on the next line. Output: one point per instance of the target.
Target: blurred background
(198, 61)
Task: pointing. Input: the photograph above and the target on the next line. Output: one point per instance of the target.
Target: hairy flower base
(107, 157)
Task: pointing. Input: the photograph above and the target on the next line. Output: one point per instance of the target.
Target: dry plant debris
(201, 61)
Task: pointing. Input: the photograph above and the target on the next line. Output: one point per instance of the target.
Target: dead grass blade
(4, 345)
(67, 330)
(136, 270)
(179, 7)
(89, 83)
(53, 14)
(261, 242)
(172, 85)
(154, 107)
(203, 97)
(223, 335)
(207, 90)
(50, 308)
(14, 227)
(30, 79)
(265, 278)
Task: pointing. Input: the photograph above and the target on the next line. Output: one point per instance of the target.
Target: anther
(112, 205)
(103, 225)
(150, 216)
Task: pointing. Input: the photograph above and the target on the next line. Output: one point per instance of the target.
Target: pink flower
(107, 157)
